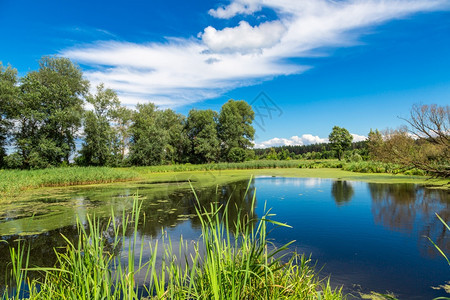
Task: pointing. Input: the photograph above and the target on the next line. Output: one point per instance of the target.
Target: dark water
(368, 237)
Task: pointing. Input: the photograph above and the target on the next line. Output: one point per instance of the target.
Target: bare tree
(431, 125)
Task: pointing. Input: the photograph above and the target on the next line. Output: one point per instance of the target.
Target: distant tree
(201, 128)
(283, 154)
(430, 124)
(340, 140)
(147, 140)
(375, 144)
(237, 154)
(8, 94)
(235, 126)
(272, 155)
(99, 140)
(48, 112)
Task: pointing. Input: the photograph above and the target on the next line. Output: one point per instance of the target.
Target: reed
(13, 181)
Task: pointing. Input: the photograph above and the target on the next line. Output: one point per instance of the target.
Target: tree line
(341, 146)
(43, 113)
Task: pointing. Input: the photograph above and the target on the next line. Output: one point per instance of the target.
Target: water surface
(367, 236)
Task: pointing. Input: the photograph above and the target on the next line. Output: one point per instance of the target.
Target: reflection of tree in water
(399, 206)
(342, 192)
(181, 204)
(393, 205)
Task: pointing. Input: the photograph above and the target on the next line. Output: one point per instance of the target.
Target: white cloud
(183, 71)
(358, 138)
(243, 38)
(245, 7)
(306, 139)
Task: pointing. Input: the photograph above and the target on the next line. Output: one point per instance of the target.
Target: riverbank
(13, 182)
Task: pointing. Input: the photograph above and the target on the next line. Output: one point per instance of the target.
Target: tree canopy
(340, 140)
(235, 128)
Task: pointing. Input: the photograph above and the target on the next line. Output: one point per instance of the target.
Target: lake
(366, 236)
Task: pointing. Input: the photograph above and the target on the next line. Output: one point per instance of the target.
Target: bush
(13, 161)
(237, 154)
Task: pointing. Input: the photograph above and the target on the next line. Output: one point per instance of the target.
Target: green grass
(14, 181)
(232, 260)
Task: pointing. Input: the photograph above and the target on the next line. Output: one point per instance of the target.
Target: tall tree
(374, 144)
(8, 94)
(49, 112)
(201, 128)
(235, 126)
(340, 140)
(176, 140)
(99, 141)
(147, 140)
(121, 125)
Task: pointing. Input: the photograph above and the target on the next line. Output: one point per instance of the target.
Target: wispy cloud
(306, 139)
(183, 71)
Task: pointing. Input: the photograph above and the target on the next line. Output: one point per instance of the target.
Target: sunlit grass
(13, 181)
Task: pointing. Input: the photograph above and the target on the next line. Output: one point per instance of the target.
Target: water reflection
(400, 207)
(342, 192)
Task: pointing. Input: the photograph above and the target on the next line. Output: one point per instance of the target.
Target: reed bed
(13, 181)
(233, 259)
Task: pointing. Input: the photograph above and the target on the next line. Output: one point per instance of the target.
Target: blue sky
(358, 64)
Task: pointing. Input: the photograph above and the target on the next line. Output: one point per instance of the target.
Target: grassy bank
(232, 260)
(14, 181)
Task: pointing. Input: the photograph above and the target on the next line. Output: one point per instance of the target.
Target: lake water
(366, 236)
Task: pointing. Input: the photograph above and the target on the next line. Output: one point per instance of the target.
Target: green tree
(48, 112)
(99, 140)
(122, 119)
(235, 126)
(340, 140)
(375, 144)
(201, 128)
(176, 139)
(147, 144)
(8, 94)
(237, 154)
(272, 154)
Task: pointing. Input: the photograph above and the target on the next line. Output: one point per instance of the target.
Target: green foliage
(147, 141)
(237, 154)
(176, 141)
(235, 128)
(353, 156)
(374, 144)
(48, 112)
(8, 94)
(13, 161)
(340, 140)
(283, 155)
(98, 147)
(201, 127)
(272, 154)
(157, 136)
